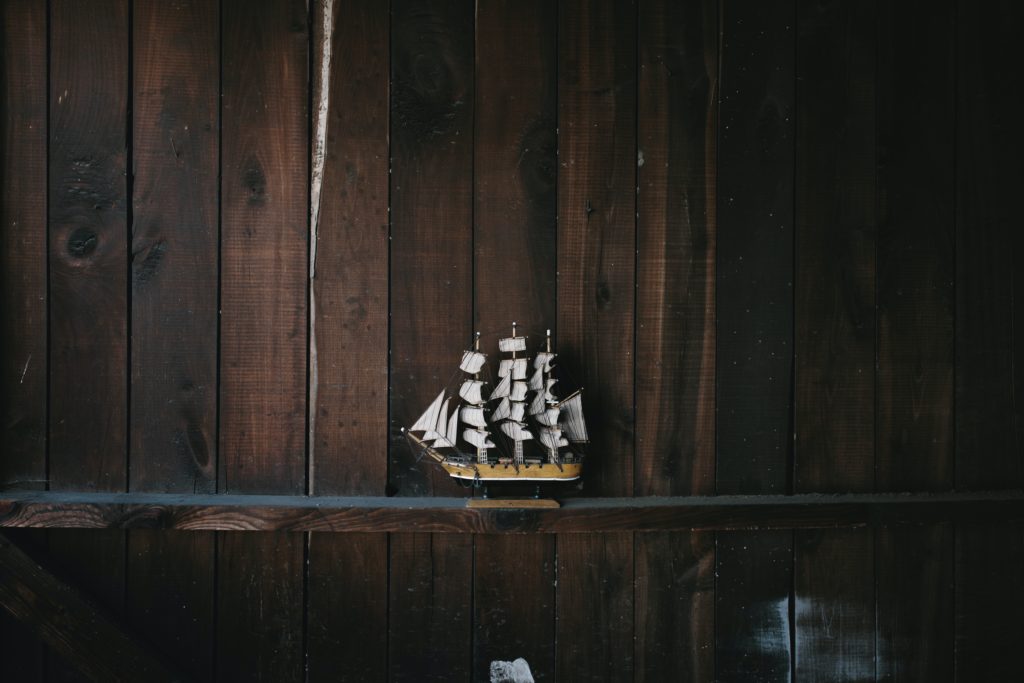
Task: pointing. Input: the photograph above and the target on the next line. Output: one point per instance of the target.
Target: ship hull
(501, 472)
(506, 472)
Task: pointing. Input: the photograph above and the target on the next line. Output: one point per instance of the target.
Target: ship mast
(481, 453)
(512, 391)
(517, 453)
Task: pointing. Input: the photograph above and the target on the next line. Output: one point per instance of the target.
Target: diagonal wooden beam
(71, 625)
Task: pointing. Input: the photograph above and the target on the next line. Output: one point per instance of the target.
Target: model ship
(517, 431)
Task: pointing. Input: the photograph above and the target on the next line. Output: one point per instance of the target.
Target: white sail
(516, 431)
(428, 420)
(515, 366)
(537, 405)
(548, 396)
(437, 431)
(477, 437)
(470, 390)
(549, 417)
(552, 438)
(518, 409)
(472, 361)
(509, 344)
(573, 424)
(518, 391)
(537, 380)
(473, 415)
(452, 433)
(501, 390)
(502, 411)
(543, 361)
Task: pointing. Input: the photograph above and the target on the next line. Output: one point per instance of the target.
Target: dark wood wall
(774, 240)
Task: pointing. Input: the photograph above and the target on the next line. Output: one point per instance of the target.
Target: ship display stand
(516, 433)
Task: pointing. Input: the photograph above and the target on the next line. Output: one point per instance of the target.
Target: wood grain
(989, 598)
(175, 104)
(514, 603)
(676, 233)
(23, 283)
(349, 378)
(174, 273)
(88, 280)
(347, 576)
(431, 219)
(259, 607)
(989, 292)
(753, 596)
(264, 238)
(263, 352)
(594, 611)
(835, 248)
(755, 331)
(916, 183)
(674, 612)
(597, 228)
(93, 642)
(834, 592)
(430, 610)
(23, 246)
(87, 238)
(169, 597)
(347, 618)
(755, 248)
(515, 170)
(834, 411)
(914, 584)
(450, 515)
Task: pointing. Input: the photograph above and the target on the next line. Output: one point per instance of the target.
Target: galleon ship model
(517, 431)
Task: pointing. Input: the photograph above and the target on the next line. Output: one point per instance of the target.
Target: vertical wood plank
(431, 219)
(989, 310)
(676, 233)
(834, 592)
(596, 226)
(346, 604)
(88, 244)
(348, 607)
(989, 601)
(755, 331)
(350, 274)
(753, 639)
(23, 286)
(174, 246)
(675, 606)
(259, 607)
(755, 247)
(515, 265)
(430, 608)
(170, 596)
(173, 441)
(916, 184)
(513, 603)
(834, 412)
(594, 631)
(915, 603)
(515, 162)
(264, 247)
(835, 248)
(88, 249)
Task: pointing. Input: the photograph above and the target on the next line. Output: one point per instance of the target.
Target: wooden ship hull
(464, 468)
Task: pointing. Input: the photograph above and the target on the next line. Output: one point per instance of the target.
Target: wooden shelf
(450, 515)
